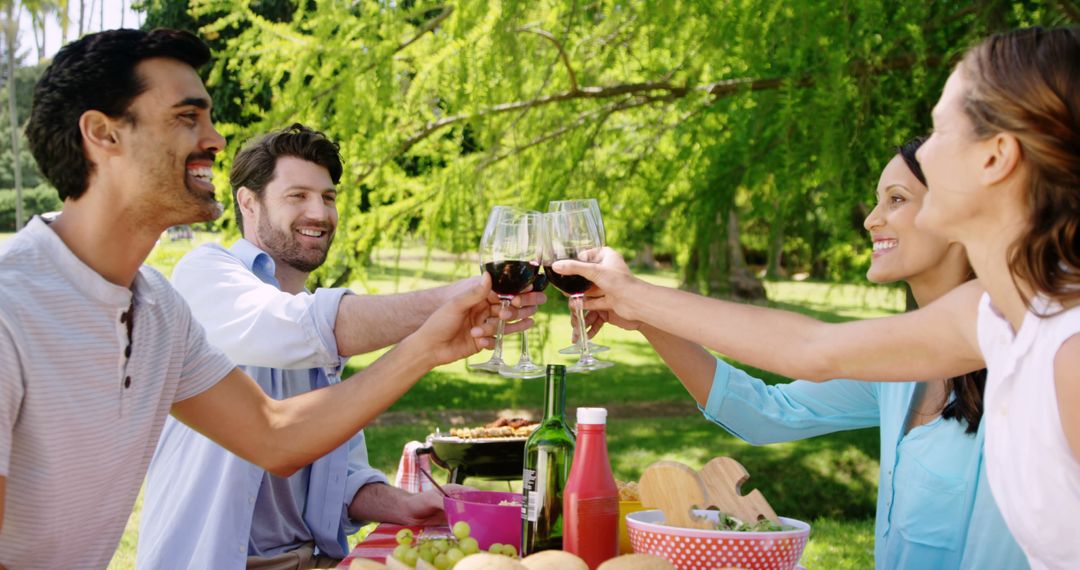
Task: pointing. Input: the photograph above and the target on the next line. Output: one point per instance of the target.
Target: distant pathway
(449, 418)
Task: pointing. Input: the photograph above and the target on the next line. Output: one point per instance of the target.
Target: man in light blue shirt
(207, 508)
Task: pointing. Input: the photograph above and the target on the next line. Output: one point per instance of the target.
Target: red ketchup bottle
(591, 499)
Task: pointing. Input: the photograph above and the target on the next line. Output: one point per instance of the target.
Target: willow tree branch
(582, 120)
(562, 53)
(667, 92)
(428, 26)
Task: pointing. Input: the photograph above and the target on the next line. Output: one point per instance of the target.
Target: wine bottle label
(528, 495)
(534, 483)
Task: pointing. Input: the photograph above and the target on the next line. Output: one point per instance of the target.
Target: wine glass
(593, 206)
(572, 234)
(526, 368)
(510, 251)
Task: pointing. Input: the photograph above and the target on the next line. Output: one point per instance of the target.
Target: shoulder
(207, 255)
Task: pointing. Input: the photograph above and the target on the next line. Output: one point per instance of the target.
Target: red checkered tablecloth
(382, 541)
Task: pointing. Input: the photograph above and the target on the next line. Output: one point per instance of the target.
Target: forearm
(284, 435)
(692, 364)
(378, 502)
(371, 322)
(922, 345)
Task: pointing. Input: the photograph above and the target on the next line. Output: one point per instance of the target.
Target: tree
(680, 116)
(11, 46)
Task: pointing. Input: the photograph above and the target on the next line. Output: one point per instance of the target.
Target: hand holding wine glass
(612, 283)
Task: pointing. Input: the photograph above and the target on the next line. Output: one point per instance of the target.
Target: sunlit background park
(733, 145)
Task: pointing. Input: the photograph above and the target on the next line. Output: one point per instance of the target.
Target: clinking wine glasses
(573, 234)
(510, 251)
(593, 206)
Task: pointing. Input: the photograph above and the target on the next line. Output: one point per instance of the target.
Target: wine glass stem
(497, 353)
(583, 339)
(525, 356)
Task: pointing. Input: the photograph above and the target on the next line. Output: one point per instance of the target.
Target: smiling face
(171, 143)
(296, 216)
(901, 250)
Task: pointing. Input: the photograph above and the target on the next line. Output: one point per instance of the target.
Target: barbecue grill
(497, 458)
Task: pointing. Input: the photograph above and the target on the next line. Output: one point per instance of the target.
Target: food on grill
(502, 427)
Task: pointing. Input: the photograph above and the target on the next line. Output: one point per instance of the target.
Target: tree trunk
(646, 257)
(82, 11)
(11, 36)
(718, 271)
(775, 266)
(744, 286)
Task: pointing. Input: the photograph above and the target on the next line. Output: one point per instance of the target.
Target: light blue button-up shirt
(934, 508)
(200, 499)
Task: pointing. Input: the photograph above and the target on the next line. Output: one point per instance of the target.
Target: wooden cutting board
(677, 490)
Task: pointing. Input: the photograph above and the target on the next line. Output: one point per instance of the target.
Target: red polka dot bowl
(696, 549)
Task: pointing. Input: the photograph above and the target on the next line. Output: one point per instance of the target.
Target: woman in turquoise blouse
(934, 508)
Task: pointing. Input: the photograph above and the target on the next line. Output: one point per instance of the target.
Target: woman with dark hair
(1003, 168)
(934, 508)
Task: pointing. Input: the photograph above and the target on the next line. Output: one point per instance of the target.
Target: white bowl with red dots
(697, 549)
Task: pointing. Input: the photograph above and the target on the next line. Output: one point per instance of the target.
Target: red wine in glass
(569, 284)
(509, 278)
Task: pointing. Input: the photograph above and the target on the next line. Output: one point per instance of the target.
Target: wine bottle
(591, 499)
(548, 454)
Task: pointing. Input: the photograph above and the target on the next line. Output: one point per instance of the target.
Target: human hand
(612, 283)
(426, 508)
(522, 306)
(463, 326)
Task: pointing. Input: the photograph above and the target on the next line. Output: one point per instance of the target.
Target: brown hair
(1027, 83)
(253, 167)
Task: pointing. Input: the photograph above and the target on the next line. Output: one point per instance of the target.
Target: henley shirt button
(127, 351)
(127, 382)
(251, 500)
(123, 317)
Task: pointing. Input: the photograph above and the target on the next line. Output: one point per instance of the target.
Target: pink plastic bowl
(694, 549)
(490, 522)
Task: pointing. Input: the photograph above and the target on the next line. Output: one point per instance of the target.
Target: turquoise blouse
(934, 508)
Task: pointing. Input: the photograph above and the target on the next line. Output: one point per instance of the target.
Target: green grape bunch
(443, 553)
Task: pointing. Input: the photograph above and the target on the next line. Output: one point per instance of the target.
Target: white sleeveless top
(1033, 474)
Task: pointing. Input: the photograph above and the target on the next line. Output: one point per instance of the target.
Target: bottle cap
(592, 416)
(556, 369)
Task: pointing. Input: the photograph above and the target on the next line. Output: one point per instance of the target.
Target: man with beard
(204, 506)
(97, 349)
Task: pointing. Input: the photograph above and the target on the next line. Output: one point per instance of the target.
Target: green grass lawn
(829, 481)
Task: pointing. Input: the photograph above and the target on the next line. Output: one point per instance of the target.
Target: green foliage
(673, 113)
(35, 201)
(25, 78)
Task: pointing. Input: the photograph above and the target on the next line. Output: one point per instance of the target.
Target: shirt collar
(256, 260)
(85, 278)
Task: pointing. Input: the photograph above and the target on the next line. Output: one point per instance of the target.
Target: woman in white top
(1003, 170)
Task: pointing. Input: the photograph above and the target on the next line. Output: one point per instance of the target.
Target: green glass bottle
(548, 453)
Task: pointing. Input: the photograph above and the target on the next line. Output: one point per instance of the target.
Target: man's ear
(1003, 157)
(246, 198)
(99, 132)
